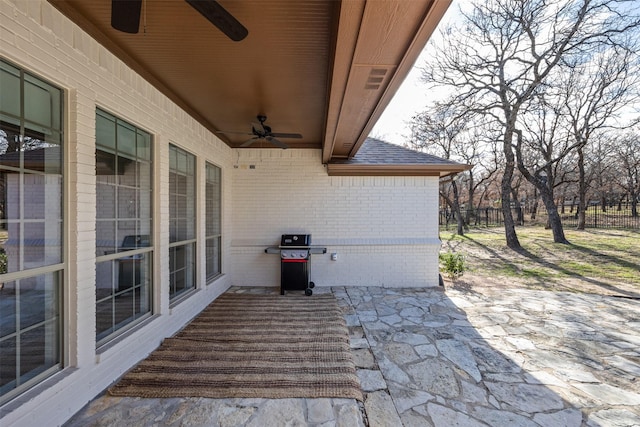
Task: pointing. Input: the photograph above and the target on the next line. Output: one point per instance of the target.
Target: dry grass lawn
(596, 261)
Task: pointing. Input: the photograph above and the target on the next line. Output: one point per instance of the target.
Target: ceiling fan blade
(219, 17)
(125, 15)
(286, 135)
(248, 142)
(277, 142)
(258, 129)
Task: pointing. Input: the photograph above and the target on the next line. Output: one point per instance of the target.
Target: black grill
(295, 262)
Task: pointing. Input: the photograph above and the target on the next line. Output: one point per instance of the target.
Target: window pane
(42, 103)
(143, 146)
(132, 271)
(31, 224)
(35, 326)
(106, 195)
(123, 311)
(182, 269)
(45, 198)
(126, 139)
(105, 272)
(10, 89)
(33, 244)
(213, 202)
(124, 185)
(106, 237)
(182, 161)
(42, 243)
(123, 292)
(127, 171)
(145, 209)
(30, 202)
(10, 189)
(38, 300)
(213, 221)
(125, 232)
(213, 257)
(105, 131)
(127, 202)
(8, 319)
(104, 318)
(143, 175)
(181, 220)
(182, 197)
(38, 351)
(8, 373)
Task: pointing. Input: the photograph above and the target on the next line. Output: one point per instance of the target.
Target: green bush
(452, 264)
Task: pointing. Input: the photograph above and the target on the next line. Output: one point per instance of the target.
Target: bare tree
(540, 150)
(595, 89)
(505, 51)
(627, 153)
(436, 132)
(447, 131)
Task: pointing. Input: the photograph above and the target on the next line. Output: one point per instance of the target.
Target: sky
(411, 97)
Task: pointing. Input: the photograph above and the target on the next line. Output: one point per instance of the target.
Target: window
(31, 230)
(182, 221)
(123, 226)
(213, 223)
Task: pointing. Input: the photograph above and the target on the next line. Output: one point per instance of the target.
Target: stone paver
(428, 357)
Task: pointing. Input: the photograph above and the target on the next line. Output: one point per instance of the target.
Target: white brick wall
(384, 229)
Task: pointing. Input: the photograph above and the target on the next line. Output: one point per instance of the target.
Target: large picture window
(182, 221)
(31, 229)
(213, 222)
(123, 225)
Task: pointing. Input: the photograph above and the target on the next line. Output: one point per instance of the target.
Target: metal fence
(612, 217)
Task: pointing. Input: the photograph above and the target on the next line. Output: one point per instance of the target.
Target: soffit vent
(375, 79)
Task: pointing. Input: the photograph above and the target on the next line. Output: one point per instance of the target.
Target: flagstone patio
(429, 357)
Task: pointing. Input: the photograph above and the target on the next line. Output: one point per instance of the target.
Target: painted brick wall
(384, 229)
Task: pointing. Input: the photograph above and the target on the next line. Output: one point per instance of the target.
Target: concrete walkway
(427, 357)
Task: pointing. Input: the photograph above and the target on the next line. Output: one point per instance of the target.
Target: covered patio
(143, 172)
(433, 357)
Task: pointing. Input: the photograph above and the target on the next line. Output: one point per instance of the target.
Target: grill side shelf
(312, 249)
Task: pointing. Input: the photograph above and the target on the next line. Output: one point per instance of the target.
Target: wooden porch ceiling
(325, 69)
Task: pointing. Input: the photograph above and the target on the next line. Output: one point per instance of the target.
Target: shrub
(452, 264)
(3, 263)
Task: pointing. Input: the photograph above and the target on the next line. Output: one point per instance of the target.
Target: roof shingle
(377, 157)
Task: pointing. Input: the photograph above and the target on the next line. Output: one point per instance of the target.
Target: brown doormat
(248, 345)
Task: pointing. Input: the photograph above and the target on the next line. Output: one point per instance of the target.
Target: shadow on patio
(431, 358)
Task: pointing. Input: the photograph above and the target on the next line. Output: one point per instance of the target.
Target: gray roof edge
(377, 152)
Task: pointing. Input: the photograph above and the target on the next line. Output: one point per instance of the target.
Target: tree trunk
(582, 192)
(456, 208)
(534, 207)
(509, 226)
(516, 204)
(555, 221)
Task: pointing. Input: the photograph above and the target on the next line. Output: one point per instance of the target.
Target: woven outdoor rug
(248, 345)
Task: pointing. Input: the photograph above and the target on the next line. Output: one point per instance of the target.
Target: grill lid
(295, 240)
